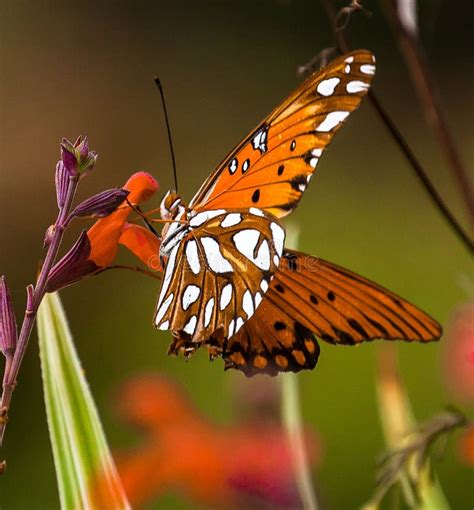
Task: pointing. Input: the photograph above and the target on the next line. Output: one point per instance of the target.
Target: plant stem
(292, 418)
(420, 172)
(34, 299)
(427, 92)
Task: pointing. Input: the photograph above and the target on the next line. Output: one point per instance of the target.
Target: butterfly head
(171, 205)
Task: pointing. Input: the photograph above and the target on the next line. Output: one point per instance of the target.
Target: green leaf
(85, 471)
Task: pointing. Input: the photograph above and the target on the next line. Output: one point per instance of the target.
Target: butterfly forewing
(216, 276)
(272, 167)
(309, 296)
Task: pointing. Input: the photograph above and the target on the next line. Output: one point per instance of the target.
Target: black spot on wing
(256, 196)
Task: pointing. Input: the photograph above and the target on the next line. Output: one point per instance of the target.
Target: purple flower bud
(62, 183)
(8, 330)
(82, 147)
(73, 266)
(68, 157)
(101, 204)
(77, 157)
(88, 164)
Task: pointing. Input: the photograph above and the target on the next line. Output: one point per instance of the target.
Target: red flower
(97, 248)
(247, 465)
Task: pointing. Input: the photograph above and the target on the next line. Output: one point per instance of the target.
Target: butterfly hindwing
(309, 296)
(218, 272)
(272, 167)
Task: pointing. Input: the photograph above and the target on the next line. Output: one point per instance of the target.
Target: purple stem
(34, 298)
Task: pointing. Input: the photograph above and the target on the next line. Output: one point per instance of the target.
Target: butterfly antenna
(160, 88)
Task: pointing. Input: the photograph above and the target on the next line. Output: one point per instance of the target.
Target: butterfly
(230, 284)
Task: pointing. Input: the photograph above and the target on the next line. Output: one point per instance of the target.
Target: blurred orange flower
(97, 248)
(466, 446)
(247, 465)
(458, 354)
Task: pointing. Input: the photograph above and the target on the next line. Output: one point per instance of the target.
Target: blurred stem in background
(292, 419)
(340, 21)
(293, 422)
(407, 463)
(403, 17)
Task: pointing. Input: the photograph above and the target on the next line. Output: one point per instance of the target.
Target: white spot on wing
(190, 325)
(190, 295)
(168, 274)
(231, 220)
(276, 260)
(313, 162)
(163, 309)
(233, 165)
(208, 312)
(356, 86)
(226, 296)
(349, 60)
(331, 121)
(192, 256)
(215, 259)
(245, 165)
(317, 152)
(367, 69)
(247, 304)
(264, 285)
(258, 299)
(246, 241)
(347, 69)
(231, 328)
(259, 140)
(238, 324)
(327, 87)
(164, 326)
(278, 237)
(256, 212)
(262, 260)
(204, 216)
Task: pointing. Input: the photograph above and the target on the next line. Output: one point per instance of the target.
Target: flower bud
(73, 266)
(77, 158)
(102, 204)
(81, 145)
(68, 158)
(8, 329)
(62, 183)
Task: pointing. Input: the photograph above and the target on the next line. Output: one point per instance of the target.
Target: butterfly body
(230, 284)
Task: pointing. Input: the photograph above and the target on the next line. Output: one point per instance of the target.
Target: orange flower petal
(143, 244)
(104, 235)
(142, 186)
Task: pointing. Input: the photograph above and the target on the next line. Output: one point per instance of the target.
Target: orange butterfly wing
(273, 165)
(311, 296)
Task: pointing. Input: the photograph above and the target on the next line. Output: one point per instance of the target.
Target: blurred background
(70, 68)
